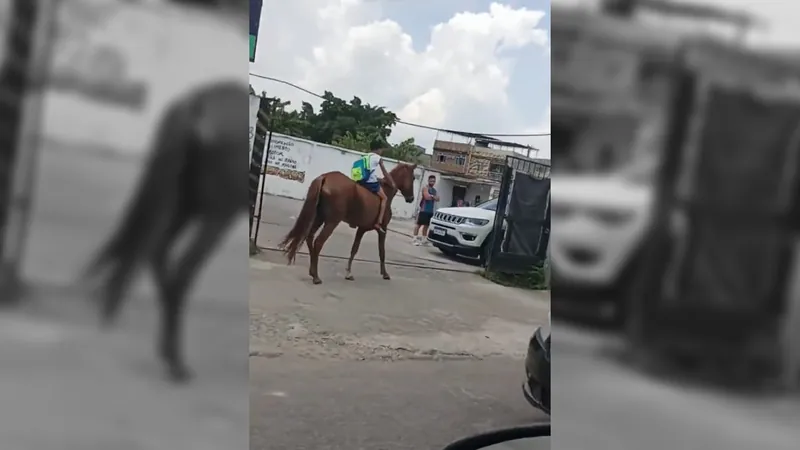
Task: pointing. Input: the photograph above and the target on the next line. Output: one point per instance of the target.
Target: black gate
(521, 232)
(715, 278)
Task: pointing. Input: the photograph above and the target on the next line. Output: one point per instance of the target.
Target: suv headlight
(476, 222)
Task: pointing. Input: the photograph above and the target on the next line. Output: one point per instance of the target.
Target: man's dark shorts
(424, 218)
(372, 187)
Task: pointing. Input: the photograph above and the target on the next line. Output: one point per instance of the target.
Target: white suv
(600, 224)
(463, 230)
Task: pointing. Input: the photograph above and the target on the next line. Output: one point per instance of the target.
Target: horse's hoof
(349, 278)
(386, 276)
(317, 281)
(179, 374)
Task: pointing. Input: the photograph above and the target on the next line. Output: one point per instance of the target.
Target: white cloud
(459, 79)
(779, 17)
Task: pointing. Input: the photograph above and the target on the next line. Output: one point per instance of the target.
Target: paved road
(402, 405)
(411, 363)
(66, 385)
(602, 404)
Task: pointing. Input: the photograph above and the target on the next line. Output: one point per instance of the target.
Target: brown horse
(191, 179)
(334, 198)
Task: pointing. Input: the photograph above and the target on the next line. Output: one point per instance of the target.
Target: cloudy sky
(474, 65)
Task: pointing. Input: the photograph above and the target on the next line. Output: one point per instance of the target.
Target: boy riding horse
(364, 172)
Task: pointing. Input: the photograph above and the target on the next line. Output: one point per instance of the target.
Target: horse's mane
(396, 170)
(399, 167)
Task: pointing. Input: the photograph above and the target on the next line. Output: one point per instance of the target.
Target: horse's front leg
(353, 250)
(382, 255)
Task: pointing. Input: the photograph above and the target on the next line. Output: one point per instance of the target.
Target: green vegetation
(348, 124)
(535, 280)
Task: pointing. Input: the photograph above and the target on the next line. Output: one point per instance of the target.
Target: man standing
(426, 206)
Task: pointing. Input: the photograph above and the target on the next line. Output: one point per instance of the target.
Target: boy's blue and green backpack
(360, 170)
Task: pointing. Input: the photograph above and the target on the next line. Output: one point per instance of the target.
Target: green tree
(337, 117)
(353, 141)
(407, 150)
(287, 122)
(334, 119)
(352, 125)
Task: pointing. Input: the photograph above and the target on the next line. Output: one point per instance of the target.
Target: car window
(490, 205)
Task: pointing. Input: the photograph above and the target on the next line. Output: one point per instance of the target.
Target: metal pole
(15, 81)
(257, 169)
(257, 161)
(261, 192)
(24, 180)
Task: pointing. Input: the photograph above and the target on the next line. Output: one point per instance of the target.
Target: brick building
(475, 168)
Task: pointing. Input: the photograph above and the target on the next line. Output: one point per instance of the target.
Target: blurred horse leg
(353, 251)
(310, 242)
(382, 255)
(174, 294)
(319, 242)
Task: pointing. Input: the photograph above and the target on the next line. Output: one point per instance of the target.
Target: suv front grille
(448, 218)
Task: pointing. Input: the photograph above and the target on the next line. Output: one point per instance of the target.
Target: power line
(426, 127)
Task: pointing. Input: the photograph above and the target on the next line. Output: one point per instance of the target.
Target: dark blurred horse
(334, 198)
(195, 176)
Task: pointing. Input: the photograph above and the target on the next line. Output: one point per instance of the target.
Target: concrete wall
(293, 163)
(481, 190)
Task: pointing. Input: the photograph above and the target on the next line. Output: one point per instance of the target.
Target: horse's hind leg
(161, 273)
(159, 259)
(200, 248)
(319, 242)
(310, 243)
(353, 251)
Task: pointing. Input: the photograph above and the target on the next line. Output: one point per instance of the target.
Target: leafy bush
(535, 279)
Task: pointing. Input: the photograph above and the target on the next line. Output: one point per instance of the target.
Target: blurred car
(463, 230)
(601, 221)
(537, 369)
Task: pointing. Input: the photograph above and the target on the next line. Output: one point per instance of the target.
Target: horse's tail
(117, 261)
(302, 226)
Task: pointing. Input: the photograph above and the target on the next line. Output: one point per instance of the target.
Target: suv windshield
(641, 171)
(490, 205)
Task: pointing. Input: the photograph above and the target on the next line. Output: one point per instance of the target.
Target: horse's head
(403, 176)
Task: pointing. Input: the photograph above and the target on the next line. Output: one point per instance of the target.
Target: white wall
(294, 163)
(171, 54)
(477, 189)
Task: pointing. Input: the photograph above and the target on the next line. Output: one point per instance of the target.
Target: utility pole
(263, 138)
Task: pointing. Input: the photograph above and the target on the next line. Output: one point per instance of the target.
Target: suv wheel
(484, 256)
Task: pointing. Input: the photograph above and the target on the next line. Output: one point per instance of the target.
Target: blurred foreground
(676, 171)
(66, 384)
(603, 402)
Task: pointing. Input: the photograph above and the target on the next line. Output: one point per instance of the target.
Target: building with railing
(476, 167)
(612, 75)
